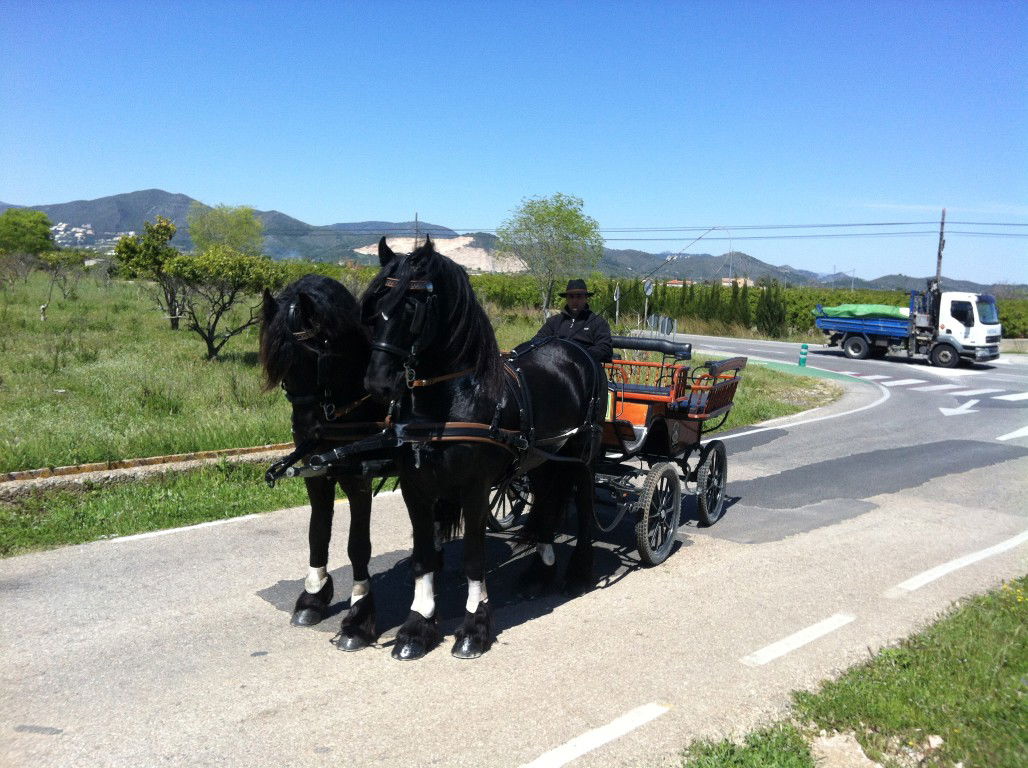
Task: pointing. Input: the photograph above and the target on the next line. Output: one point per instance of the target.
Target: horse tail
(448, 519)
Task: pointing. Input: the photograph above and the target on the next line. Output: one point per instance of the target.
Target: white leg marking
(316, 578)
(546, 553)
(476, 594)
(424, 596)
(360, 589)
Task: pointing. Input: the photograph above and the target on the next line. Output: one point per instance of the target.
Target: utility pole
(417, 231)
(938, 259)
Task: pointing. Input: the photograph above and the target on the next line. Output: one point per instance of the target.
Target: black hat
(576, 285)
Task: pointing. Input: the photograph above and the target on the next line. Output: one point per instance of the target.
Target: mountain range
(97, 224)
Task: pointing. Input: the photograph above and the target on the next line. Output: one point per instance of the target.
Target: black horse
(313, 344)
(435, 359)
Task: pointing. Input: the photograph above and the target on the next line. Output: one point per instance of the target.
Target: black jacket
(588, 329)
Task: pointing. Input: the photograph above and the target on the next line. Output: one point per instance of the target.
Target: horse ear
(385, 255)
(270, 306)
(428, 243)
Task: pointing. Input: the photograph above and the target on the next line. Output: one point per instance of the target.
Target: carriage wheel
(507, 502)
(711, 476)
(660, 504)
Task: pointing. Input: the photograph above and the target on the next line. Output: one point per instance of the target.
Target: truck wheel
(944, 356)
(855, 348)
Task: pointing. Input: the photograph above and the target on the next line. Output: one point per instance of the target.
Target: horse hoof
(352, 643)
(467, 648)
(307, 617)
(410, 650)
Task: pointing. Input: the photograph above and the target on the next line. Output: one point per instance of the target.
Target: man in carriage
(580, 324)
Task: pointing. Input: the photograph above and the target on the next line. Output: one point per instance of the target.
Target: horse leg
(475, 634)
(541, 527)
(312, 604)
(420, 632)
(357, 629)
(579, 572)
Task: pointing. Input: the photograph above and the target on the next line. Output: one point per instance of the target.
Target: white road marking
(796, 640)
(1015, 396)
(936, 387)
(597, 737)
(902, 382)
(969, 392)
(886, 394)
(848, 373)
(927, 577)
(166, 531)
(1022, 432)
(875, 377)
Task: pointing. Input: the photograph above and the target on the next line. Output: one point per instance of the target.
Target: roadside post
(803, 356)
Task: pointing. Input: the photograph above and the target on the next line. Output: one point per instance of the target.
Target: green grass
(104, 378)
(165, 500)
(964, 678)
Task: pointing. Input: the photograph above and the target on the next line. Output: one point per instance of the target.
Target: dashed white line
(875, 377)
(597, 737)
(927, 577)
(936, 387)
(796, 640)
(1022, 432)
(1015, 396)
(902, 382)
(969, 392)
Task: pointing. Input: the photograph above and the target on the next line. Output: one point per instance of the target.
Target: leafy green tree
(744, 318)
(216, 283)
(23, 231)
(236, 227)
(554, 239)
(771, 317)
(65, 267)
(24, 235)
(147, 257)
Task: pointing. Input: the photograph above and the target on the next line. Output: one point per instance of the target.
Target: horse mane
(467, 336)
(336, 311)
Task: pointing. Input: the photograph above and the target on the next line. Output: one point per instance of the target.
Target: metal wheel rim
(660, 513)
(509, 504)
(715, 481)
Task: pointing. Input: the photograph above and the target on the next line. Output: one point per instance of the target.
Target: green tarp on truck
(865, 310)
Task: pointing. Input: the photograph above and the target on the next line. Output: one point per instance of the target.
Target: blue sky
(657, 114)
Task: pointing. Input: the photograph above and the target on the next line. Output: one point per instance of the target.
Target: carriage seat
(639, 389)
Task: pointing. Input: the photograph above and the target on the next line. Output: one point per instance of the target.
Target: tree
(771, 310)
(24, 235)
(215, 282)
(554, 239)
(25, 232)
(235, 227)
(147, 257)
(744, 305)
(65, 268)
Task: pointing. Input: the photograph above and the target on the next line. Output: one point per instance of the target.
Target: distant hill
(99, 223)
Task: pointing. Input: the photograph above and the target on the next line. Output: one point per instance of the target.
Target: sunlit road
(848, 527)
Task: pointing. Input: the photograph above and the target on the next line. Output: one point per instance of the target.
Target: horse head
(425, 321)
(311, 338)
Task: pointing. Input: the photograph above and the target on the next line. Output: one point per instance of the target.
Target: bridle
(320, 348)
(424, 326)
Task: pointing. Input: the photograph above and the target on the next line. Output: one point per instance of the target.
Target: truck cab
(969, 322)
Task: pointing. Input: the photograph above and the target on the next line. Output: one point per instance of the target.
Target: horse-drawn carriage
(408, 381)
(657, 413)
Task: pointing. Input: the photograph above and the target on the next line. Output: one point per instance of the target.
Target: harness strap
(436, 379)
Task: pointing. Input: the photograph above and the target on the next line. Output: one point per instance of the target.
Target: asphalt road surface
(848, 527)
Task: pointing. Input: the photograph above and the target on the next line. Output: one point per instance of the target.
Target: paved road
(176, 650)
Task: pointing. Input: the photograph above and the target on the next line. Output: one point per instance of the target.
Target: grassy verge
(54, 518)
(963, 679)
